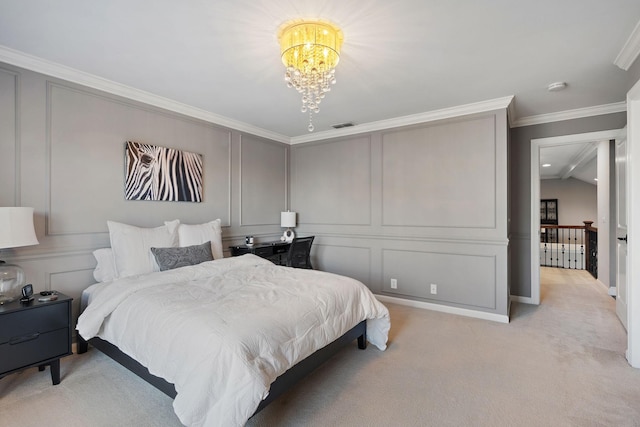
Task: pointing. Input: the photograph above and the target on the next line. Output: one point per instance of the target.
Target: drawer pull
(24, 338)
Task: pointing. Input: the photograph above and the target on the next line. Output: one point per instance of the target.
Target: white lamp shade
(16, 227)
(287, 219)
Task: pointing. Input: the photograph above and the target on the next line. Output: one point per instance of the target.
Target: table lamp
(16, 229)
(288, 219)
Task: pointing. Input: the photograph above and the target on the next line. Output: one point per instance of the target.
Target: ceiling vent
(343, 125)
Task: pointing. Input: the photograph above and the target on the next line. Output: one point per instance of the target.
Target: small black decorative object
(27, 294)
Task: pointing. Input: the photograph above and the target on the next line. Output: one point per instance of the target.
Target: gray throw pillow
(170, 258)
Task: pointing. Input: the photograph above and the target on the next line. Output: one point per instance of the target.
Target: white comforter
(222, 331)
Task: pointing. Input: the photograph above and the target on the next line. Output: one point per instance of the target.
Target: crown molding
(630, 51)
(39, 65)
(579, 113)
(445, 113)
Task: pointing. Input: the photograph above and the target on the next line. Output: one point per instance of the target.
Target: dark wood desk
(276, 251)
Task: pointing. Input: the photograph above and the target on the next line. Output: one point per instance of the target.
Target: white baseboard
(445, 309)
(613, 291)
(524, 300)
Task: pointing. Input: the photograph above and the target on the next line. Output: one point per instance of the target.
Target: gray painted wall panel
(8, 137)
(87, 137)
(441, 176)
(425, 208)
(330, 182)
(263, 181)
(349, 261)
(464, 279)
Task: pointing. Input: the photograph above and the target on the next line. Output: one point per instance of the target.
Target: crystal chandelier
(310, 51)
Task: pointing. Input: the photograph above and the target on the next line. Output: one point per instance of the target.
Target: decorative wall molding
(221, 136)
(630, 51)
(39, 65)
(15, 185)
(241, 150)
(430, 116)
(579, 113)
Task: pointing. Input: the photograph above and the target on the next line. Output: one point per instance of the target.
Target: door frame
(633, 221)
(536, 144)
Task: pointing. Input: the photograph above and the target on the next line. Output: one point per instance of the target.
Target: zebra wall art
(159, 173)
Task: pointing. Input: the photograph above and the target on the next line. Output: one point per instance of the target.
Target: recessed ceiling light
(546, 165)
(555, 87)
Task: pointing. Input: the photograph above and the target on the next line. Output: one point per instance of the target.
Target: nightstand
(35, 334)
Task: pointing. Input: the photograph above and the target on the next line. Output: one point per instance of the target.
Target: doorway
(536, 146)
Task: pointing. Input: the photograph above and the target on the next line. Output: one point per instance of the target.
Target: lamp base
(11, 281)
(288, 235)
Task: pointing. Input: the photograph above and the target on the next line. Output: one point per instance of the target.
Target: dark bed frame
(278, 387)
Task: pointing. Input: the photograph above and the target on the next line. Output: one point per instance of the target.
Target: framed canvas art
(160, 173)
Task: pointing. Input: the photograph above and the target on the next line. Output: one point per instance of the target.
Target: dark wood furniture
(276, 251)
(299, 255)
(278, 387)
(549, 216)
(35, 334)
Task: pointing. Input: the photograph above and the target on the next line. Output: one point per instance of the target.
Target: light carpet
(558, 364)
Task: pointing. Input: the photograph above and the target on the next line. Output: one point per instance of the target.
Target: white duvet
(222, 331)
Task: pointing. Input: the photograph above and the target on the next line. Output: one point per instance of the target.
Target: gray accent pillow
(170, 258)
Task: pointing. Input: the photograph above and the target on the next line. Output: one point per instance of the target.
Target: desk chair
(299, 255)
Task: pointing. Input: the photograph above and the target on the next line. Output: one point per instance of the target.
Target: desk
(276, 251)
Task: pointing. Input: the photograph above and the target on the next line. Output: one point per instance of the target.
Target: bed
(225, 336)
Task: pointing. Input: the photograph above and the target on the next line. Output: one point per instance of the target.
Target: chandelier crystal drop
(310, 52)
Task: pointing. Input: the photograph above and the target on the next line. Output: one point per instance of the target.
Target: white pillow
(105, 270)
(132, 246)
(197, 234)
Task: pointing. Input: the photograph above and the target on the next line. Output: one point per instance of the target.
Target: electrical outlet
(434, 289)
(394, 284)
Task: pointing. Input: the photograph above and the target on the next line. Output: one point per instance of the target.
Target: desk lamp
(288, 219)
(16, 229)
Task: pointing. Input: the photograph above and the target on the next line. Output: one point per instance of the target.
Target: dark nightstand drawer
(33, 348)
(25, 322)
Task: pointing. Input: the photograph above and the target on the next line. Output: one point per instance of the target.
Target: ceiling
(399, 58)
(576, 160)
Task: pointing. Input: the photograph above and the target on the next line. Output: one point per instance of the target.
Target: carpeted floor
(558, 364)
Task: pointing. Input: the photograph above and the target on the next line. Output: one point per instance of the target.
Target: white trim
(445, 113)
(630, 51)
(633, 224)
(444, 309)
(612, 291)
(39, 65)
(579, 113)
(536, 144)
(524, 300)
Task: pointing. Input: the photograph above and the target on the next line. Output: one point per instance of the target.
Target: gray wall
(577, 200)
(422, 204)
(520, 189)
(62, 152)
